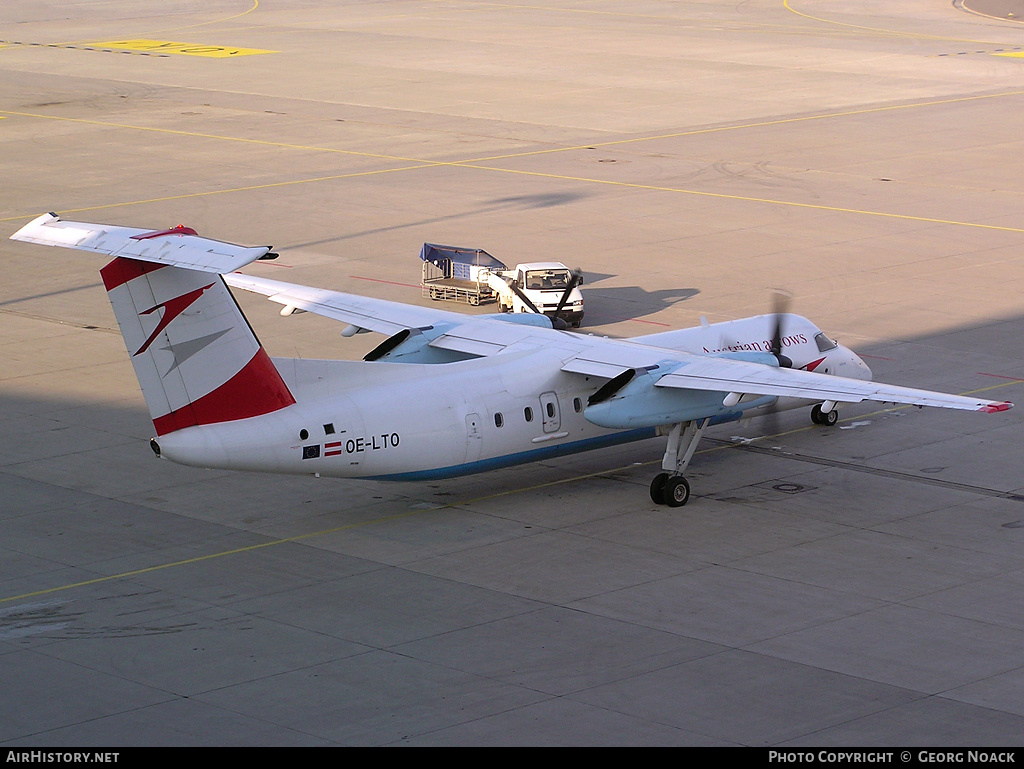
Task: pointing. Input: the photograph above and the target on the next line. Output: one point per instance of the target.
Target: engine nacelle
(632, 399)
(412, 345)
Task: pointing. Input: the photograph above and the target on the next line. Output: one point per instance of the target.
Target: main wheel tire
(658, 488)
(676, 491)
(820, 417)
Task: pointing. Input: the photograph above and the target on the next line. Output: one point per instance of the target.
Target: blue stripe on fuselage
(721, 419)
(533, 455)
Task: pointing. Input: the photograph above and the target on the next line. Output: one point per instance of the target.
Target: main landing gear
(670, 487)
(820, 416)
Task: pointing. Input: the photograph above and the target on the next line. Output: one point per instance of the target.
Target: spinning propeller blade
(524, 298)
(574, 280)
(556, 322)
(781, 306)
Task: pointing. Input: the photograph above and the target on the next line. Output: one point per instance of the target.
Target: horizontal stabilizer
(179, 246)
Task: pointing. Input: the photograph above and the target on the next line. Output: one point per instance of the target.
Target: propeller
(556, 322)
(574, 280)
(524, 298)
(780, 307)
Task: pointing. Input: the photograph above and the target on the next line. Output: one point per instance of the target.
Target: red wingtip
(992, 408)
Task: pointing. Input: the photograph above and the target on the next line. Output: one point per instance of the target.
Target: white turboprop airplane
(445, 394)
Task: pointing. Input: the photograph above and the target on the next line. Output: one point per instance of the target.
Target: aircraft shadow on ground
(513, 203)
(617, 303)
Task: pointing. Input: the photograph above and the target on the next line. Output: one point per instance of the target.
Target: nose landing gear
(821, 417)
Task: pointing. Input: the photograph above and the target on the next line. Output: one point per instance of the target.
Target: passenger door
(549, 412)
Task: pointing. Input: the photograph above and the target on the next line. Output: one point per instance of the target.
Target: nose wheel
(671, 490)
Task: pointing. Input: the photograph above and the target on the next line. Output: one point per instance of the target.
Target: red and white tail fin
(194, 353)
(196, 358)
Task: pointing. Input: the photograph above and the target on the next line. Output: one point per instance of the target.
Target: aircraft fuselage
(408, 421)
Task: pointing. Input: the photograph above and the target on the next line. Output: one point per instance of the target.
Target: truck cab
(544, 284)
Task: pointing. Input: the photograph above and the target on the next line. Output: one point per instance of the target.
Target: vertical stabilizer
(197, 360)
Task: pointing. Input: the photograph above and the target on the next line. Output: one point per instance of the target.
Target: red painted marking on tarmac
(1000, 376)
(648, 322)
(389, 282)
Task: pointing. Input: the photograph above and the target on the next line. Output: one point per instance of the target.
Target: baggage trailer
(473, 276)
(458, 274)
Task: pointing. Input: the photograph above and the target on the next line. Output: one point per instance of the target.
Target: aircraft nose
(860, 368)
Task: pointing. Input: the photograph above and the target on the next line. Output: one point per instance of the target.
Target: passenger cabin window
(577, 405)
(824, 343)
(499, 420)
(528, 413)
(551, 410)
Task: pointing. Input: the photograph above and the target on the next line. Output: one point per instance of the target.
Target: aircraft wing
(378, 315)
(179, 246)
(598, 356)
(688, 371)
(724, 375)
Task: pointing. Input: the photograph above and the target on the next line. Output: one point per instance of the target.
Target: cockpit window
(824, 343)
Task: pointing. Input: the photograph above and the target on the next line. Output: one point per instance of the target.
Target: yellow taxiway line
(412, 513)
(476, 163)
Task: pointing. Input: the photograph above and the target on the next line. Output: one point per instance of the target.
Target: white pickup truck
(474, 276)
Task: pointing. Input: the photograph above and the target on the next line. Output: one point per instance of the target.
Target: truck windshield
(547, 279)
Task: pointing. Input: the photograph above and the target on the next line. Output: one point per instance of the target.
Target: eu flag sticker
(311, 452)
